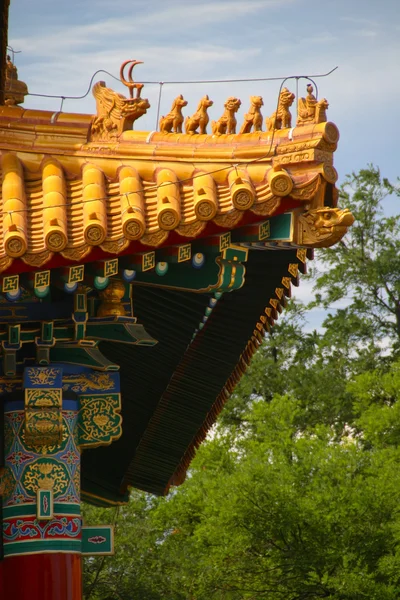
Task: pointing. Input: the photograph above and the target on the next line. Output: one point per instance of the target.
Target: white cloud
(359, 20)
(369, 33)
(222, 40)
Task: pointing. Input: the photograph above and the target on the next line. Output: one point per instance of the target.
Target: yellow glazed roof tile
(72, 183)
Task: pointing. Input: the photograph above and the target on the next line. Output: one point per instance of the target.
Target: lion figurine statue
(253, 119)
(200, 118)
(174, 119)
(227, 123)
(281, 118)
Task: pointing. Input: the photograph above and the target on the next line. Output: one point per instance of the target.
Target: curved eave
(173, 393)
(66, 199)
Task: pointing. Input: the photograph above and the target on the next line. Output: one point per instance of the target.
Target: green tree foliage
(364, 268)
(299, 515)
(295, 496)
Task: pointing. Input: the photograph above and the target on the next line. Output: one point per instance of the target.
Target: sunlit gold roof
(66, 194)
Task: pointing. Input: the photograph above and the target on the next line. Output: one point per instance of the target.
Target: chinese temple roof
(66, 197)
(207, 230)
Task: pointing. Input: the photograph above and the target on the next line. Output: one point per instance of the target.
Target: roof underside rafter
(180, 220)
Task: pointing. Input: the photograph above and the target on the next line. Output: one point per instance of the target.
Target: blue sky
(63, 43)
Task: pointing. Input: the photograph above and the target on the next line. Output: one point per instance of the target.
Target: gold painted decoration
(184, 253)
(306, 191)
(282, 117)
(43, 419)
(227, 122)
(115, 247)
(37, 259)
(95, 380)
(253, 119)
(311, 110)
(44, 376)
(301, 254)
(111, 300)
(155, 239)
(46, 474)
(99, 422)
(191, 230)
(174, 119)
(275, 304)
(76, 253)
(10, 283)
(323, 227)
(229, 220)
(268, 207)
(200, 118)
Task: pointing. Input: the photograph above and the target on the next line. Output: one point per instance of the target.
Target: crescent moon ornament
(129, 83)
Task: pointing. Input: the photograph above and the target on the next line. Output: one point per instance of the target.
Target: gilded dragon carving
(323, 227)
(115, 112)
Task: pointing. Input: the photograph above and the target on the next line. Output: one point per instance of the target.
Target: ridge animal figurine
(115, 113)
(311, 110)
(200, 118)
(254, 118)
(174, 119)
(227, 123)
(281, 118)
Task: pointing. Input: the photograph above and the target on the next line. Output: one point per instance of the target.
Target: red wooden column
(42, 577)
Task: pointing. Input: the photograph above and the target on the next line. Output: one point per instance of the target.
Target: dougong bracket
(43, 405)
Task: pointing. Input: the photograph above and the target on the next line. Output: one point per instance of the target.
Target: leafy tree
(127, 574)
(364, 268)
(300, 364)
(296, 494)
(362, 271)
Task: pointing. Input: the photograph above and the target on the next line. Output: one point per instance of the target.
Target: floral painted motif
(99, 420)
(18, 458)
(22, 528)
(43, 376)
(70, 457)
(45, 473)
